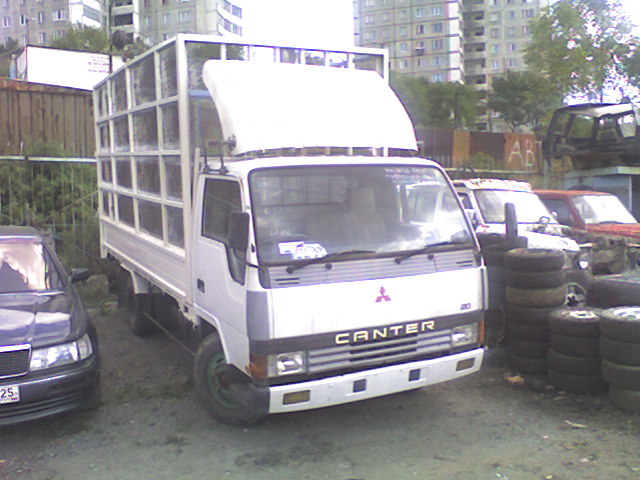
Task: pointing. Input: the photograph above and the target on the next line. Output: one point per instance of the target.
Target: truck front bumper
(353, 387)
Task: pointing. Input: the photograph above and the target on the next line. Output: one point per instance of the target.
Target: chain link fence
(57, 195)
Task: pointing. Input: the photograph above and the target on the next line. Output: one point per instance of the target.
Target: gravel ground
(151, 425)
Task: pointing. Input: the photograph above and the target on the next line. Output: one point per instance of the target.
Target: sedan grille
(14, 361)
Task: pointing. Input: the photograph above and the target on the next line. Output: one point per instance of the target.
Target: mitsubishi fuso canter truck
(263, 204)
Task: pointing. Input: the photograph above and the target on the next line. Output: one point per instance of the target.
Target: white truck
(260, 200)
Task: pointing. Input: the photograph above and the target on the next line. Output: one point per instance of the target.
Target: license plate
(9, 394)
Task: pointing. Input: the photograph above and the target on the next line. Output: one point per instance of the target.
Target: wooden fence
(45, 120)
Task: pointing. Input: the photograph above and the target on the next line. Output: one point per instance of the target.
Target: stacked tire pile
(535, 286)
(573, 359)
(620, 349)
(494, 247)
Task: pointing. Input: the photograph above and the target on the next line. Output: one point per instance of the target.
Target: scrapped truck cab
(266, 215)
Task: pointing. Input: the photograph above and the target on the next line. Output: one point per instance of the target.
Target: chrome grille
(356, 355)
(14, 361)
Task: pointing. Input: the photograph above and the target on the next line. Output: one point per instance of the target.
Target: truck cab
(484, 200)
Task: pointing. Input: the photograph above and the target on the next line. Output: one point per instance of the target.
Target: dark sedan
(49, 361)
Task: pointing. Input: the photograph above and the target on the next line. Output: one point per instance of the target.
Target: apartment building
(157, 20)
(469, 41)
(39, 22)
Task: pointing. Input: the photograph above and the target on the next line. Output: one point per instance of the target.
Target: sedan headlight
(464, 335)
(57, 355)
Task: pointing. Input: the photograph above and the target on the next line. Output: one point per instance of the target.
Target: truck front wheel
(227, 393)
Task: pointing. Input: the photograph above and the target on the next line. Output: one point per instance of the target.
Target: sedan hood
(38, 319)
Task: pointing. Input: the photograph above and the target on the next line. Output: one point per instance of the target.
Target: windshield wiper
(326, 258)
(425, 249)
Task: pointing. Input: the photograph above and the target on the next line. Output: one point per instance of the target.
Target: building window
(42, 17)
(42, 38)
(370, 35)
(437, 27)
(511, 15)
(403, 31)
(494, 33)
(437, 44)
(148, 21)
(495, 2)
(513, 62)
(6, 22)
(404, 47)
(166, 18)
(495, 49)
(403, 64)
(184, 16)
(511, 32)
(525, 30)
(419, 12)
(58, 15)
(402, 14)
(495, 64)
(438, 77)
(385, 17)
(494, 17)
(369, 3)
(421, 62)
(529, 13)
(385, 33)
(419, 29)
(23, 20)
(436, 61)
(512, 47)
(5, 3)
(369, 19)
(436, 11)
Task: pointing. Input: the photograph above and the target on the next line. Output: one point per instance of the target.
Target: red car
(594, 212)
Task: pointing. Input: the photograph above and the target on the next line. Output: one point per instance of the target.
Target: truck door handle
(200, 284)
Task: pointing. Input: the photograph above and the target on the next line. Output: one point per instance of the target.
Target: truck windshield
(529, 207)
(303, 213)
(602, 209)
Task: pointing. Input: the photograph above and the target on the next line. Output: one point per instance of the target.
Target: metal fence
(54, 194)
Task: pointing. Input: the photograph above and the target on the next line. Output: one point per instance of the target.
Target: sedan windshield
(602, 209)
(529, 207)
(304, 213)
(25, 267)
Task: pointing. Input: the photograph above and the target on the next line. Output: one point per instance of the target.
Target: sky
(632, 7)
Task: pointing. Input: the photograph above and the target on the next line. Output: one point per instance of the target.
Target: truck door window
(561, 209)
(221, 197)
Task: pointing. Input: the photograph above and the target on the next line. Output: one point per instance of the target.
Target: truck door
(219, 277)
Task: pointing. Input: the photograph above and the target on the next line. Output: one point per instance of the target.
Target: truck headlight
(57, 355)
(464, 335)
(287, 363)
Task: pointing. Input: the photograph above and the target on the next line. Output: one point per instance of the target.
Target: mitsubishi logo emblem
(383, 296)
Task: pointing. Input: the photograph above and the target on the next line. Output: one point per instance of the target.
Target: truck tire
(526, 348)
(575, 346)
(578, 284)
(539, 297)
(529, 315)
(577, 383)
(534, 259)
(624, 398)
(624, 376)
(574, 365)
(221, 385)
(534, 279)
(535, 366)
(138, 323)
(623, 353)
(583, 322)
(528, 331)
(614, 290)
(621, 323)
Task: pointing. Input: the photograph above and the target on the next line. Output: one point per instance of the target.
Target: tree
(523, 98)
(437, 105)
(83, 39)
(579, 45)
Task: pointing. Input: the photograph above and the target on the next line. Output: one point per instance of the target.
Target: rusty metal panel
(522, 151)
(437, 145)
(4, 122)
(487, 143)
(461, 148)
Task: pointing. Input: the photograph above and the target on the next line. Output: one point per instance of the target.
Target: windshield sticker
(412, 175)
(302, 250)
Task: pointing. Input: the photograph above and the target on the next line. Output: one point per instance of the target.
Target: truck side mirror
(510, 220)
(238, 233)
